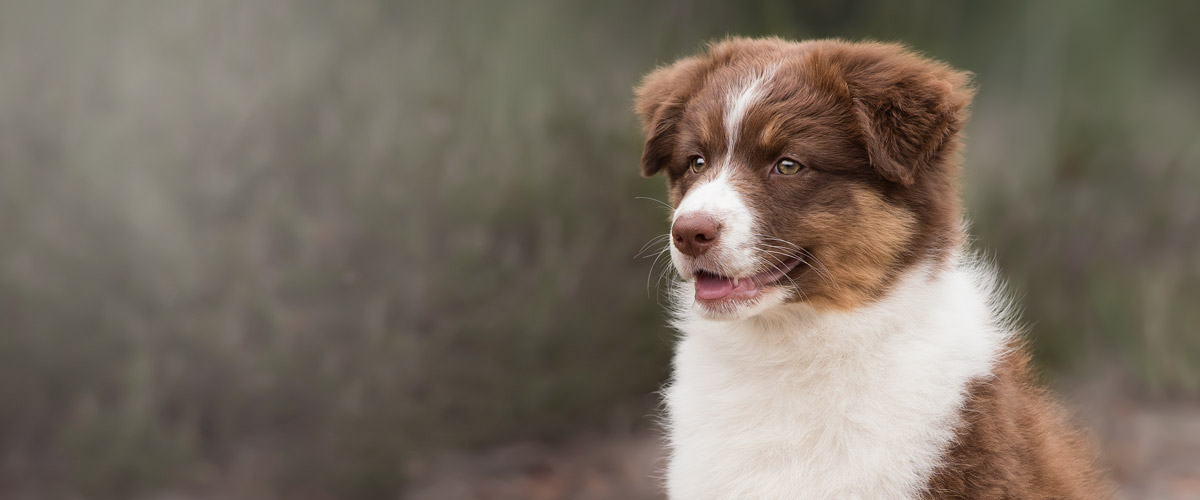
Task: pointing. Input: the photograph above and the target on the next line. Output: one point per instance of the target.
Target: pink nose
(694, 234)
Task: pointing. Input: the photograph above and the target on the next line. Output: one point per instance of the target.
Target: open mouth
(712, 287)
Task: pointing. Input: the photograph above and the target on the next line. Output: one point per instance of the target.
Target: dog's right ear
(660, 101)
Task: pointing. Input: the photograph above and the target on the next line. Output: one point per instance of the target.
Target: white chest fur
(799, 404)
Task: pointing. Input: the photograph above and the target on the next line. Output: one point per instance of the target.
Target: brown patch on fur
(771, 132)
(1016, 443)
(862, 117)
(865, 255)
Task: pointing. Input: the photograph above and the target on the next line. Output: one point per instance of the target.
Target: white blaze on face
(733, 253)
(736, 104)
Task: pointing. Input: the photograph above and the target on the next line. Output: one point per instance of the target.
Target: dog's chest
(862, 416)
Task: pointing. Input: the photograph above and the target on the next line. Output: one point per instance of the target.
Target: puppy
(838, 341)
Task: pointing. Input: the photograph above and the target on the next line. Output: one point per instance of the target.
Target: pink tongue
(709, 287)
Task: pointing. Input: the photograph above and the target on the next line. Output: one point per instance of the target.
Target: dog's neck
(885, 379)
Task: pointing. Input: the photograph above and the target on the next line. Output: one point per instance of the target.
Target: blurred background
(374, 249)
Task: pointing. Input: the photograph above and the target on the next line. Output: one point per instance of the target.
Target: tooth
(735, 282)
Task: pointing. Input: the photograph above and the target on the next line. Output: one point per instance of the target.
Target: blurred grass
(358, 232)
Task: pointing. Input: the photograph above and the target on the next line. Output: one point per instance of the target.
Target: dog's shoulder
(1015, 441)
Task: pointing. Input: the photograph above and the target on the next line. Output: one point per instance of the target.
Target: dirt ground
(1151, 447)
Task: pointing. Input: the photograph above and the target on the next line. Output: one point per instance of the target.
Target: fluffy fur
(863, 354)
(798, 403)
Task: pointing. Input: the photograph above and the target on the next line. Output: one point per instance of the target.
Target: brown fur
(877, 128)
(1016, 443)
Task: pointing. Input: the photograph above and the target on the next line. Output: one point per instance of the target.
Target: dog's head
(812, 172)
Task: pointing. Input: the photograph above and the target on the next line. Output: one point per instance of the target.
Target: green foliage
(358, 232)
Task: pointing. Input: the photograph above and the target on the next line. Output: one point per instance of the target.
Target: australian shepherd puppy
(838, 341)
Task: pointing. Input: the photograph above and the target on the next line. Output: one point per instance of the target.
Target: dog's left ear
(910, 109)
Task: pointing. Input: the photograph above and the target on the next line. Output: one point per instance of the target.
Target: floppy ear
(910, 109)
(659, 102)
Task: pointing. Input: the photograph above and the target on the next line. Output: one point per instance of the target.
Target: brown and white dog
(838, 340)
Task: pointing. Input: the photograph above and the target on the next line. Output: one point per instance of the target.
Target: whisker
(806, 257)
(653, 252)
(777, 240)
(656, 200)
(802, 259)
(789, 278)
(779, 248)
(650, 272)
(820, 268)
(665, 274)
(653, 241)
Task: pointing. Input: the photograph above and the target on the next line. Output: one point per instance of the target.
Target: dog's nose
(695, 233)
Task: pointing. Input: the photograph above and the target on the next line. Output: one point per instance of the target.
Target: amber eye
(697, 164)
(787, 167)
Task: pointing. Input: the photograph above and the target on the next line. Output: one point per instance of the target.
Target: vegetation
(360, 231)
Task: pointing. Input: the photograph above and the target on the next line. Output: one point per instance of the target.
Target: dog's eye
(787, 167)
(697, 164)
